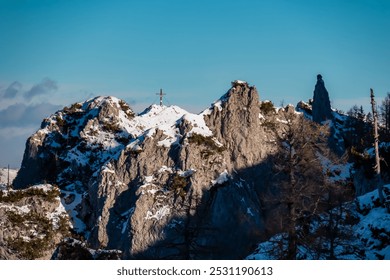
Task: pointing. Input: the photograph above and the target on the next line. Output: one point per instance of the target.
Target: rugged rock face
(321, 103)
(74, 142)
(32, 222)
(190, 199)
(165, 184)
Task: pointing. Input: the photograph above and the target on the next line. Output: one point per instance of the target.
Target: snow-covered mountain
(166, 183)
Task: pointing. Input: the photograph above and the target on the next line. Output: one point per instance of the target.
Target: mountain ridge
(166, 183)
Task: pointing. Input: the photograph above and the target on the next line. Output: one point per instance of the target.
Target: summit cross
(161, 94)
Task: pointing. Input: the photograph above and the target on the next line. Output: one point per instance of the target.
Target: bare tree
(300, 175)
(376, 146)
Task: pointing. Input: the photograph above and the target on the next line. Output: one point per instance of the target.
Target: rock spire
(321, 103)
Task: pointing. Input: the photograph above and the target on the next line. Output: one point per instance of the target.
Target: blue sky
(54, 53)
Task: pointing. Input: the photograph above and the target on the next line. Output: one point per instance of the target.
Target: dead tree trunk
(376, 146)
(8, 180)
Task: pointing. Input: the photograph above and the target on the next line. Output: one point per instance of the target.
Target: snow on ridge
(216, 104)
(239, 82)
(156, 117)
(198, 125)
(166, 119)
(98, 101)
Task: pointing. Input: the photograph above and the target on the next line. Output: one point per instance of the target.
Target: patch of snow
(168, 142)
(187, 173)
(206, 112)
(340, 172)
(165, 119)
(239, 82)
(18, 209)
(370, 233)
(222, 178)
(56, 214)
(265, 249)
(160, 213)
(77, 223)
(106, 169)
(165, 169)
(249, 212)
(148, 179)
(261, 117)
(218, 105)
(382, 145)
(338, 116)
(134, 146)
(367, 200)
(44, 187)
(198, 125)
(152, 191)
(282, 121)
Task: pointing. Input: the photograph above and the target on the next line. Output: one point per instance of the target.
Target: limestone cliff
(165, 184)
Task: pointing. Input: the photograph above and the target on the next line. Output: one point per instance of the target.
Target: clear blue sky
(53, 53)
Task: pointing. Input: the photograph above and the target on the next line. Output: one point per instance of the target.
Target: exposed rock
(73, 249)
(73, 143)
(162, 202)
(32, 222)
(165, 184)
(321, 103)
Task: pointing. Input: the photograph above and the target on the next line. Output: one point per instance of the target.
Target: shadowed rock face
(177, 191)
(321, 103)
(204, 205)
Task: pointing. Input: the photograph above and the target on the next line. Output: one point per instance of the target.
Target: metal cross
(161, 94)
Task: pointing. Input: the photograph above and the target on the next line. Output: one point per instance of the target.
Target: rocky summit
(163, 184)
(166, 183)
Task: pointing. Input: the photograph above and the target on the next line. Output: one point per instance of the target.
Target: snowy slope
(370, 235)
(165, 119)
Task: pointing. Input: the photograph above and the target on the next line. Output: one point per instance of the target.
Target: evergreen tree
(385, 118)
